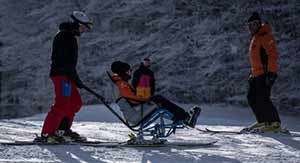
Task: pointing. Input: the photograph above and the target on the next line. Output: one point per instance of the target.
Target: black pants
(259, 100)
(178, 112)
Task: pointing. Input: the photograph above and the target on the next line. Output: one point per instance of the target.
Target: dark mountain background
(199, 48)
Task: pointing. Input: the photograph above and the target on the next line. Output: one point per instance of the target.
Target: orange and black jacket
(263, 52)
(126, 90)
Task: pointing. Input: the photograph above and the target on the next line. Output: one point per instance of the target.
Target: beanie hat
(147, 59)
(254, 16)
(119, 67)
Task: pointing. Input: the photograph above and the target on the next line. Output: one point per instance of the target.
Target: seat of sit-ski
(132, 114)
(135, 114)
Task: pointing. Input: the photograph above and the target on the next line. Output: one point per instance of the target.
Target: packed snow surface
(97, 123)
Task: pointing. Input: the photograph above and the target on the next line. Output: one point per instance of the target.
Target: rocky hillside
(199, 48)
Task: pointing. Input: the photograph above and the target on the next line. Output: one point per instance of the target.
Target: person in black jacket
(57, 125)
(143, 80)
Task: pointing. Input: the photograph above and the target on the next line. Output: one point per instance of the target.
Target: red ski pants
(67, 103)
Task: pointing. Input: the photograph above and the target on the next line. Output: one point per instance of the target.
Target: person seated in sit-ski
(131, 108)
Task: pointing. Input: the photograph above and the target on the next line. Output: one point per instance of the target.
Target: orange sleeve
(126, 92)
(269, 44)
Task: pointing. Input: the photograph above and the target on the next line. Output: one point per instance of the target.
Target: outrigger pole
(102, 99)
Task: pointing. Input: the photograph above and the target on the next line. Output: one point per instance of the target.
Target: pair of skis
(115, 144)
(129, 143)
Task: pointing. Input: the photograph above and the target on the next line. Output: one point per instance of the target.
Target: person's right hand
(77, 81)
(79, 84)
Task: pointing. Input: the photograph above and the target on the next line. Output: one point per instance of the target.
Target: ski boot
(195, 112)
(134, 140)
(131, 135)
(255, 126)
(273, 127)
(140, 141)
(51, 139)
(40, 139)
(73, 136)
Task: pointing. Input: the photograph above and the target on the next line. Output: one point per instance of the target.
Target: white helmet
(82, 18)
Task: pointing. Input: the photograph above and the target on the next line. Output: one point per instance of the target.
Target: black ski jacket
(65, 52)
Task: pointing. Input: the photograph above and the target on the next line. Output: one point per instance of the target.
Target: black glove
(79, 84)
(270, 78)
(77, 81)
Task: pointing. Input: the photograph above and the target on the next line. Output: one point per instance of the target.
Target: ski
(222, 131)
(285, 133)
(20, 143)
(167, 144)
(206, 130)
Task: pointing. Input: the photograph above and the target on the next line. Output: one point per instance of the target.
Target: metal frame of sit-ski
(154, 124)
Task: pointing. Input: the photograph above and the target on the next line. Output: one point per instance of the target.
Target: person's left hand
(270, 78)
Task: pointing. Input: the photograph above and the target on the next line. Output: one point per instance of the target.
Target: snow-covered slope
(199, 48)
(97, 123)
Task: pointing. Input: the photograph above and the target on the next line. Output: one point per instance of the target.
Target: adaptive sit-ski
(156, 123)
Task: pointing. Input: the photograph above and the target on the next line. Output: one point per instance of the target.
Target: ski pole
(102, 99)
